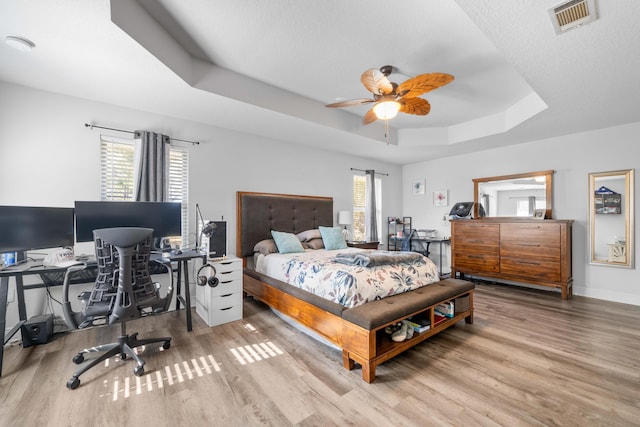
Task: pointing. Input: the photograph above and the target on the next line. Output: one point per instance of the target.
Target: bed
(357, 327)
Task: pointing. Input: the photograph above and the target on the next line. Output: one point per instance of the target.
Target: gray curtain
(371, 222)
(532, 205)
(152, 175)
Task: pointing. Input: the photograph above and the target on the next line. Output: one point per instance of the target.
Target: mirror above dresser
(516, 195)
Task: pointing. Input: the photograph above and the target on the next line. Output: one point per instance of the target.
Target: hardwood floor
(529, 359)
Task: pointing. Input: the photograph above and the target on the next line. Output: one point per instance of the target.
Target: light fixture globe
(19, 43)
(386, 110)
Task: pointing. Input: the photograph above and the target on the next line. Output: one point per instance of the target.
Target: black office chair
(123, 291)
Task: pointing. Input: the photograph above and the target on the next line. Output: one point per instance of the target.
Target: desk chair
(123, 291)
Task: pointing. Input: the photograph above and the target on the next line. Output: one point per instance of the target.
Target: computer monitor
(164, 217)
(24, 228)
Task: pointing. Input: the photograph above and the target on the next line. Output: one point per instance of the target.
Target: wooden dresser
(520, 250)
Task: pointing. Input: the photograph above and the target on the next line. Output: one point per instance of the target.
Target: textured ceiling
(269, 67)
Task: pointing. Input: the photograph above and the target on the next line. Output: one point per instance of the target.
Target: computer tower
(37, 330)
(216, 245)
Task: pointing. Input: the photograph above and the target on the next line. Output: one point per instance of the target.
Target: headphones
(211, 280)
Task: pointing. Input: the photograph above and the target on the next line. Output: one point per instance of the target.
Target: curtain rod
(362, 170)
(132, 132)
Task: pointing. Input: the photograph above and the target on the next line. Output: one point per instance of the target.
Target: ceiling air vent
(572, 14)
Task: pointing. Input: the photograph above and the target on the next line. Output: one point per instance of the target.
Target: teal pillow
(287, 242)
(332, 238)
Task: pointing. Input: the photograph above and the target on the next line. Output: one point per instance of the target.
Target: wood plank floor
(529, 359)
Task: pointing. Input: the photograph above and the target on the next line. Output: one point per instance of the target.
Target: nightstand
(222, 303)
(363, 245)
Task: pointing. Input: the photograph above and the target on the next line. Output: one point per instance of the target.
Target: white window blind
(117, 175)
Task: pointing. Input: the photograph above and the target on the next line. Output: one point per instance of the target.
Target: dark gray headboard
(259, 213)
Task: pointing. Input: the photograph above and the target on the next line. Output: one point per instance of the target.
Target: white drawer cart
(223, 303)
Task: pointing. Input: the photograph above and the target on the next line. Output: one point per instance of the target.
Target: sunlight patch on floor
(255, 352)
(179, 372)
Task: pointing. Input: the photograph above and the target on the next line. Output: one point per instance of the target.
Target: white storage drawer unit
(223, 303)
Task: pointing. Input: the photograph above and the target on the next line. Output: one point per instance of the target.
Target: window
(359, 203)
(117, 176)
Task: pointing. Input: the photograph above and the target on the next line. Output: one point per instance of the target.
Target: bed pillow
(314, 243)
(332, 238)
(266, 247)
(287, 242)
(307, 235)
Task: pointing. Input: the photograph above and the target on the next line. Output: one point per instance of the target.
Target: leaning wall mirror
(611, 218)
(517, 195)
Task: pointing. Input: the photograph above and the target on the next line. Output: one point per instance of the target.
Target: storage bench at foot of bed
(359, 331)
(373, 317)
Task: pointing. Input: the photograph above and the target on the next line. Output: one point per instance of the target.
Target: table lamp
(345, 218)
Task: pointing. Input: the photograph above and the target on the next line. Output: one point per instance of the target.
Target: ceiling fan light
(386, 110)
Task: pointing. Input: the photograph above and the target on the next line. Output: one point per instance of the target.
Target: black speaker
(37, 330)
(216, 245)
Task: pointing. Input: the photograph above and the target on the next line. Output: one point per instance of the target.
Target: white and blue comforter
(316, 271)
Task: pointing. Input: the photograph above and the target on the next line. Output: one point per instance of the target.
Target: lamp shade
(386, 110)
(345, 218)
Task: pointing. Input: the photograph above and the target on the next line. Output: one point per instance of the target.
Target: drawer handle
(528, 262)
(225, 263)
(476, 256)
(531, 245)
(228, 308)
(224, 296)
(226, 272)
(228, 281)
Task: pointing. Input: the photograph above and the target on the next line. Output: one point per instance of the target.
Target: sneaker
(392, 328)
(401, 334)
(409, 329)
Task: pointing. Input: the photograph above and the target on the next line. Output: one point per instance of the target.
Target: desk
(183, 270)
(36, 268)
(427, 242)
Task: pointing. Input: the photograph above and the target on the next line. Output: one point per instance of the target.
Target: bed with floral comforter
(318, 272)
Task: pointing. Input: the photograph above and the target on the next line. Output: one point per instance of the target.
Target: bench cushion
(377, 313)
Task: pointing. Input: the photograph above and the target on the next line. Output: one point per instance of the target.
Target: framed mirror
(611, 218)
(517, 195)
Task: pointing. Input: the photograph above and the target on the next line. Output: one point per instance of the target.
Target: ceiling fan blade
(417, 106)
(423, 83)
(370, 117)
(349, 103)
(376, 82)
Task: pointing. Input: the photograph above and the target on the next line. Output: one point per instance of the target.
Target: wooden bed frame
(259, 213)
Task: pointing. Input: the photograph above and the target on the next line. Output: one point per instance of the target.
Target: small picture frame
(418, 187)
(539, 213)
(440, 198)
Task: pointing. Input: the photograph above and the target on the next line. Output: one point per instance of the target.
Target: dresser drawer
(476, 262)
(532, 232)
(531, 268)
(471, 231)
(530, 251)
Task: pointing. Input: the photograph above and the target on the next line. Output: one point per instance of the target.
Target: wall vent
(571, 14)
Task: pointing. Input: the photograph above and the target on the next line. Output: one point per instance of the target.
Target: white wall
(49, 158)
(572, 157)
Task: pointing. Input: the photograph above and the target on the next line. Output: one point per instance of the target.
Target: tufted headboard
(259, 213)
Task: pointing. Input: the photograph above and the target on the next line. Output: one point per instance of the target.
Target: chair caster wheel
(138, 371)
(166, 345)
(73, 383)
(123, 356)
(78, 358)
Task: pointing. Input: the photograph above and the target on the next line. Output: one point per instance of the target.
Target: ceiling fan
(389, 98)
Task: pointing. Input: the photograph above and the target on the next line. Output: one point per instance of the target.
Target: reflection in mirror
(611, 218)
(517, 195)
